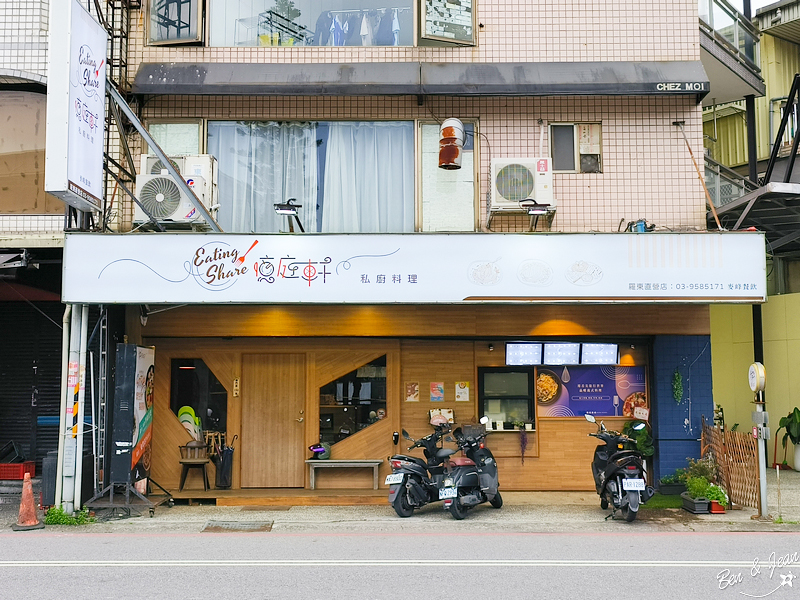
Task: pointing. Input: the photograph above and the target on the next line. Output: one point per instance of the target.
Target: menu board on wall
(603, 391)
(449, 20)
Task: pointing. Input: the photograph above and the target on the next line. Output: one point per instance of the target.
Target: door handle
(300, 420)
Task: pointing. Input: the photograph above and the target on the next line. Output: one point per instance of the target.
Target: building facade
(400, 287)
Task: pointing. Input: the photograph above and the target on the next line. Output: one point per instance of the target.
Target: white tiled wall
(647, 170)
(21, 224)
(23, 36)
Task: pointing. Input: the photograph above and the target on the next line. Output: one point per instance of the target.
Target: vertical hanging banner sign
(76, 92)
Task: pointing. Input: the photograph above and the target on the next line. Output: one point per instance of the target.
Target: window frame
(476, 205)
(202, 131)
(529, 369)
(576, 146)
(423, 39)
(200, 38)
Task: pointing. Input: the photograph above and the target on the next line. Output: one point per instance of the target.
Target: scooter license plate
(633, 484)
(397, 478)
(447, 492)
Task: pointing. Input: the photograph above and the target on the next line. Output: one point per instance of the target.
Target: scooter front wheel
(603, 503)
(497, 501)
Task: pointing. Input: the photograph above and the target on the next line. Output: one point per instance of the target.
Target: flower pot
(697, 506)
(716, 508)
(797, 457)
(671, 489)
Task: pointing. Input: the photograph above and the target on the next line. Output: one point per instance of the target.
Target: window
(194, 385)
(177, 139)
(310, 23)
(292, 23)
(174, 21)
(353, 402)
(576, 147)
(448, 196)
(348, 177)
(506, 394)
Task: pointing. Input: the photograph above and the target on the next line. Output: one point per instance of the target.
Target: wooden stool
(194, 463)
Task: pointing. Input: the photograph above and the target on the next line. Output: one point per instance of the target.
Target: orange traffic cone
(27, 509)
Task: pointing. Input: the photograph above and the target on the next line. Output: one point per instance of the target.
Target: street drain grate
(245, 526)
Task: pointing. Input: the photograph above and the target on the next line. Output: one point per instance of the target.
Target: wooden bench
(315, 464)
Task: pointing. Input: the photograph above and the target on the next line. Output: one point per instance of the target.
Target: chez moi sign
(217, 268)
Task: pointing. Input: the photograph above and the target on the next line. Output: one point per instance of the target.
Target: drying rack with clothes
(373, 26)
(276, 30)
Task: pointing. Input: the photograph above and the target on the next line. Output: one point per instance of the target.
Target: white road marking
(228, 563)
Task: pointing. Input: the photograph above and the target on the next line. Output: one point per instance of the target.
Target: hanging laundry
(353, 22)
(339, 31)
(395, 29)
(322, 30)
(384, 36)
(366, 31)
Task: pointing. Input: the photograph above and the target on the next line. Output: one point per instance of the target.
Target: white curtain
(262, 164)
(369, 178)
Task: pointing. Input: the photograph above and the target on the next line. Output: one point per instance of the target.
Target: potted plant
(523, 438)
(674, 484)
(791, 423)
(694, 498)
(718, 498)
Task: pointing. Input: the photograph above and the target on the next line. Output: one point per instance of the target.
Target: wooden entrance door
(273, 420)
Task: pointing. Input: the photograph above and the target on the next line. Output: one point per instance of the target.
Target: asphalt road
(332, 565)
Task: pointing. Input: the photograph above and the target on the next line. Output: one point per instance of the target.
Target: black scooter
(414, 482)
(619, 472)
(471, 479)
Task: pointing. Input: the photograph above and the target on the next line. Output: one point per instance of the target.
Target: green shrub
(57, 516)
(702, 467)
(697, 487)
(679, 476)
(714, 492)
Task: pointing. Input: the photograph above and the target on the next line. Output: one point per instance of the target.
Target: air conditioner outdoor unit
(164, 198)
(167, 202)
(202, 165)
(519, 182)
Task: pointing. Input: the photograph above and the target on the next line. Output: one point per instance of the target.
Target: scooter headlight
(448, 482)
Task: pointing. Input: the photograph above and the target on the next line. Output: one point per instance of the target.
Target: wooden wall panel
(430, 361)
(565, 456)
(485, 320)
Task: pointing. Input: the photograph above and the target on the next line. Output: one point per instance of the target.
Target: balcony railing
(725, 185)
(724, 24)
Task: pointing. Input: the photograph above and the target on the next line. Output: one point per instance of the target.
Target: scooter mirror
(395, 438)
(406, 436)
(591, 418)
(639, 426)
(484, 420)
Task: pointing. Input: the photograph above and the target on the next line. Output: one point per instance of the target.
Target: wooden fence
(736, 456)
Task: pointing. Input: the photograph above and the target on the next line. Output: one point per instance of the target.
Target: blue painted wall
(676, 427)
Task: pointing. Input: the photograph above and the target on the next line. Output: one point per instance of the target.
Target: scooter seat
(462, 461)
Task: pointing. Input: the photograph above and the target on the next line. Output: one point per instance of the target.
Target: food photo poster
(578, 390)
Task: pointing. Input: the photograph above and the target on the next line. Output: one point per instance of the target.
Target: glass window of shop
(506, 394)
(346, 176)
(193, 385)
(352, 402)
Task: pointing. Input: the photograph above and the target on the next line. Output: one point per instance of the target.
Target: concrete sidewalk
(523, 512)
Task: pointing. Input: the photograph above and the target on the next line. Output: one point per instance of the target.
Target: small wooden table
(315, 464)
(194, 463)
